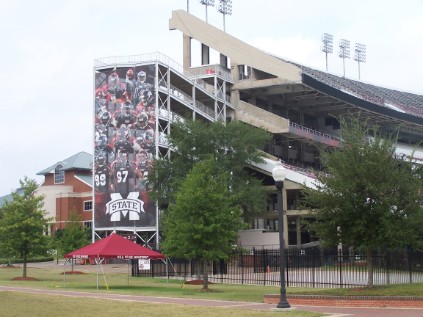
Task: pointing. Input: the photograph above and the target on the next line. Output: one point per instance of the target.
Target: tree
(74, 235)
(204, 221)
(232, 146)
(23, 222)
(367, 197)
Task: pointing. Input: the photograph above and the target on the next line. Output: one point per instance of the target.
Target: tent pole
(167, 271)
(104, 275)
(64, 273)
(97, 262)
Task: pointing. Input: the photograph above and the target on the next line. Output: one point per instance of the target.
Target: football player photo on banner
(125, 125)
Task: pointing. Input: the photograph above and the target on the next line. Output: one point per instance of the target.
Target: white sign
(144, 264)
(118, 206)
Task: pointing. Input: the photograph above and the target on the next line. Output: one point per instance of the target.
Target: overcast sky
(48, 48)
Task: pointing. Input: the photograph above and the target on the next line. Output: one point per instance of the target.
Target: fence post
(313, 267)
(242, 267)
(287, 257)
(339, 259)
(410, 267)
(264, 261)
(254, 260)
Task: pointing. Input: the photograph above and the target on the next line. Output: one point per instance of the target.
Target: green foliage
(366, 198)
(204, 221)
(231, 146)
(73, 236)
(23, 223)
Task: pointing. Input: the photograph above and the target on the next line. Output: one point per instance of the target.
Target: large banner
(125, 126)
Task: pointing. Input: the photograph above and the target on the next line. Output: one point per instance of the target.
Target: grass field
(14, 304)
(117, 280)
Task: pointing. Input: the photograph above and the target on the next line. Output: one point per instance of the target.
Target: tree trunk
(369, 255)
(24, 258)
(205, 275)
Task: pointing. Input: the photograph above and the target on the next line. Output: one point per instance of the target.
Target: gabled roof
(87, 179)
(79, 161)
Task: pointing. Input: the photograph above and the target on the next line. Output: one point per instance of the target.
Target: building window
(59, 174)
(88, 224)
(88, 205)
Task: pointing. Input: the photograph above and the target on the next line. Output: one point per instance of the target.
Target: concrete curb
(349, 301)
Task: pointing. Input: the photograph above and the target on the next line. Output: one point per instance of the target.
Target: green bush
(35, 259)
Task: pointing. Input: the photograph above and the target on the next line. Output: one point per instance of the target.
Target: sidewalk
(331, 311)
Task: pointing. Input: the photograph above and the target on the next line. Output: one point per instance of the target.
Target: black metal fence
(311, 267)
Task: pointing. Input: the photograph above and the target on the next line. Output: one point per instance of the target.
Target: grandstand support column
(194, 89)
(235, 101)
(235, 71)
(298, 230)
(186, 51)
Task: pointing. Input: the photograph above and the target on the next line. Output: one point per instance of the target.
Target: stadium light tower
(344, 51)
(225, 7)
(327, 46)
(360, 55)
(207, 3)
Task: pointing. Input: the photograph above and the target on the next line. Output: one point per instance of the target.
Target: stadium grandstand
(298, 105)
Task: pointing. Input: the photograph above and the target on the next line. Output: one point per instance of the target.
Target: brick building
(67, 187)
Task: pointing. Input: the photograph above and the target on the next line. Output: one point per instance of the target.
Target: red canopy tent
(114, 246)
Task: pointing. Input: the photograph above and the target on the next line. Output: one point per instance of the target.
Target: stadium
(296, 104)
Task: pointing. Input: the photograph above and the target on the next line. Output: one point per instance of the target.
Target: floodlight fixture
(207, 3)
(344, 51)
(327, 46)
(225, 7)
(360, 56)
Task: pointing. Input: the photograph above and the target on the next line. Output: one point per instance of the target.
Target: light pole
(360, 56)
(344, 51)
(278, 174)
(327, 46)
